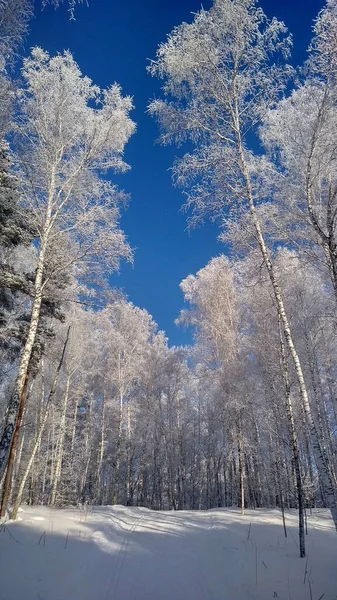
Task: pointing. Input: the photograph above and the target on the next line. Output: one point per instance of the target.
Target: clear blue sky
(112, 41)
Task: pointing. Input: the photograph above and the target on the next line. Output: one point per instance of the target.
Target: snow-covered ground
(118, 553)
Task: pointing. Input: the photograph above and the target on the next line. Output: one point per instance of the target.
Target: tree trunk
(99, 482)
(26, 473)
(16, 397)
(322, 468)
(115, 483)
(43, 421)
(60, 444)
(294, 443)
(87, 454)
(8, 479)
(241, 469)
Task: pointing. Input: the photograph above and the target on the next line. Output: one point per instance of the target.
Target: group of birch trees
(262, 163)
(133, 421)
(97, 408)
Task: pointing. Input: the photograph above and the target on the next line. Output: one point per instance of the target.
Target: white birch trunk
(13, 407)
(23, 481)
(60, 444)
(241, 471)
(322, 467)
(36, 445)
(99, 492)
(87, 454)
(294, 443)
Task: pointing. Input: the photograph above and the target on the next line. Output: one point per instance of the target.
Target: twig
(264, 564)
(310, 590)
(256, 563)
(65, 545)
(306, 570)
(11, 535)
(289, 592)
(248, 536)
(44, 539)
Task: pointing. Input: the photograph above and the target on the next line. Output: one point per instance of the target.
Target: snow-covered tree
(64, 143)
(300, 132)
(221, 73)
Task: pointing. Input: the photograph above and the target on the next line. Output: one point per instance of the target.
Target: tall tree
(214, 314)
(301, 133)
(64, 144)
(219, 80)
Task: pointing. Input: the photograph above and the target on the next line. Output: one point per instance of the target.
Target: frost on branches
(221, 74)
(68, 133)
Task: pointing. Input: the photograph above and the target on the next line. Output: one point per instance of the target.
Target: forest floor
(119, 553)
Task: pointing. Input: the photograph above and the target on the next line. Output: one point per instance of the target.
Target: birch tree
(131, 330)
(214, 314)
(301, 133)
(64, 144)
(219, 80)
(14, 25)
(182, 442)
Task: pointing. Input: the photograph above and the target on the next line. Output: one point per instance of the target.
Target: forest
(97, 408)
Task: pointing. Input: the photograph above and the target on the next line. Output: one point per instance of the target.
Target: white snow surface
(120, 553)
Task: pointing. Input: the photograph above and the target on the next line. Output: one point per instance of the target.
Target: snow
(119, 553)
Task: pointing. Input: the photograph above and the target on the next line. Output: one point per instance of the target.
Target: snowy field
(118, 553)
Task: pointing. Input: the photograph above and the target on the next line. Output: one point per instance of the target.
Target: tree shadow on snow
(117, 553)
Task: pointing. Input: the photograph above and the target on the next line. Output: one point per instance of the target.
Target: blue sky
(112, 41)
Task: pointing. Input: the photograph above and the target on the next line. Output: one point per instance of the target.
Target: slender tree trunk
(322, 467)
(45, 470)
(294, 443)
(257, 464)
(99, 484)
(19, 456)
(17, 461)
(84, 478)
(16, 397)
(323, 426)
(9, 473)
(328, 242)
(87, 454)
(72, 447)
(26, 473)
(115, 483)
(60, 444)
(128, 453)
(277, 479)
(241, 469)
(37, 442)
(53, 450)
